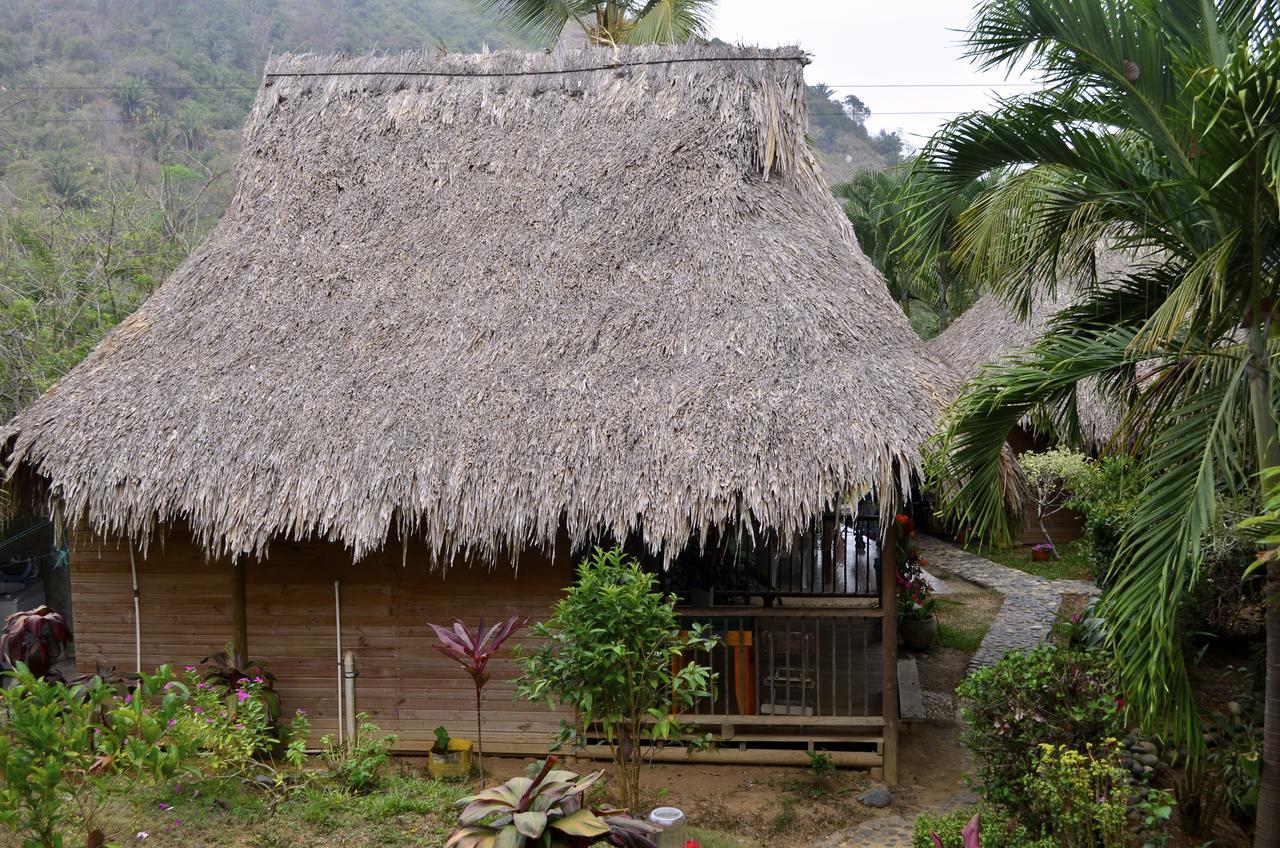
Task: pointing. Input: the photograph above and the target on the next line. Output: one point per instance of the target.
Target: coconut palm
(609, 21)
(1157, 131)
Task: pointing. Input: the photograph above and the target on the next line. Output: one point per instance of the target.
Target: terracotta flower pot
(1041, 556)
(919, 634)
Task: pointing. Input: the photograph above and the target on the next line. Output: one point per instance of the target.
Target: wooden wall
(406, 687)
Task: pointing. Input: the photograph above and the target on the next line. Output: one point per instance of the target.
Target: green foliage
(997, 830)
(608, 22)
(1157, 130)
(68, 747)
(1051, 477)
(1081, 797)
(234, 725)
(359, 766)
(821, 766)
(931, 289)
(614, 652)
(1043, 696)
(1107, 495)
(548, 809)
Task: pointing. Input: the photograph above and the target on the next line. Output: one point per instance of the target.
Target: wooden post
(239, 615)
(889, 633)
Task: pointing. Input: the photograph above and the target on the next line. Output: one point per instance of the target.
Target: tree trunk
(1267, 827)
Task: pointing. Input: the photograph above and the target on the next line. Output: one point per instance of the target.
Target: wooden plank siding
(404, 685)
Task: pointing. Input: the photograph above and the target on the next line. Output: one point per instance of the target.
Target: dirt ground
(758, 805)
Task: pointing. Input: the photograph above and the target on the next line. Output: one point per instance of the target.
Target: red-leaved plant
(971, 834)
(36, 637)
(473, 651)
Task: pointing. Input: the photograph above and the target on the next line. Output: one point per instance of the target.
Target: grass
(1073, 565)
(964, 619)
(408, 811)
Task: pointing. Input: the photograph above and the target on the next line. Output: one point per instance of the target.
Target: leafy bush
(1044, 696)
(548, 809)
(1051, 476)
(997, 831)
(74, 744)
(358, 766)
(1226, 599)
(232, 727)
(1082, 798)
(614, 652)
(1106, 494)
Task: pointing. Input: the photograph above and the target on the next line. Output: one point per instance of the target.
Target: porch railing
(792, 665)
(836, 558)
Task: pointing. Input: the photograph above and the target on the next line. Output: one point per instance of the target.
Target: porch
(807, 655)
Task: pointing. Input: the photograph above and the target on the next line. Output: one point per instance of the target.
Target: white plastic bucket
(675, 827)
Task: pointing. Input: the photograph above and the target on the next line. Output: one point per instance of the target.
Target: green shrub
(614, 652)
(1043, 696)
(1082, 798)
(359, 764)
(997, 830)
(66, 749)
(1106, 493)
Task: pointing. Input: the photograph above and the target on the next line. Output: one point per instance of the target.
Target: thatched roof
(991, 330)
(475, 299)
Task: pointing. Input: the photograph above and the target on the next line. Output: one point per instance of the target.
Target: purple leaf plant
(473, 651)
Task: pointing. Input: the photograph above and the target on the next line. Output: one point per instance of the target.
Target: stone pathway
(1029, 606)
(891, 831)
(1024, 621)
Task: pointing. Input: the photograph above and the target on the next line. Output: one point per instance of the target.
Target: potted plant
(1042, 552)
(449, 759)
(917, 605)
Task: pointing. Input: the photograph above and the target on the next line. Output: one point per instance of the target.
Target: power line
(420, 73)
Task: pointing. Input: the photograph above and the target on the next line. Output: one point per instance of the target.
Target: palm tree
(874, 203)
(609, 21)
(1157, 131)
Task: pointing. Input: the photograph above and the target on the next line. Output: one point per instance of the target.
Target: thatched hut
(991, 330)
(465, 315)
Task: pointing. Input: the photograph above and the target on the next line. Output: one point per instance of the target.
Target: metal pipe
(337, 627)
(349, 675)
(137, 614)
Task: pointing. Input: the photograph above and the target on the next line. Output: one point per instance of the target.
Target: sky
(857, 45)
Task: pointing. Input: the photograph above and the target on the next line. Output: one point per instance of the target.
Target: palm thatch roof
(475, 299)
(992, 330)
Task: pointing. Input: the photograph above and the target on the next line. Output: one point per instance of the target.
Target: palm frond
(671, 21)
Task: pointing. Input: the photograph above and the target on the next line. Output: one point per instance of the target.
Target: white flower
(142, 834)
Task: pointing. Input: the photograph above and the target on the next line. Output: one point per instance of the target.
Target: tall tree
(927, 284)
(1157, 131)
(609, 21)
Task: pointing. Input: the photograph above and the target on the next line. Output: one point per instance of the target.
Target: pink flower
(166, 807)
(259, 680)
(301, 711)
(242, 696)
(188, 668)
(171, 723)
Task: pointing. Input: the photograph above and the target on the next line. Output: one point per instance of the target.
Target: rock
(876, 796)
(1147, 759)
(1144, 748)
(1234, 708)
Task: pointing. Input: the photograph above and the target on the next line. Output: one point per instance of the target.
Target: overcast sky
(858, 44)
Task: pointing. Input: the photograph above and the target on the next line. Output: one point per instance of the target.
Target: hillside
(119, 126)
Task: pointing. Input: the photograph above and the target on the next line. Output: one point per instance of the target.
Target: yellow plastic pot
(454, 765)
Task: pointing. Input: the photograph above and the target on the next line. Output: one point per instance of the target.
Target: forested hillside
(119, 125)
